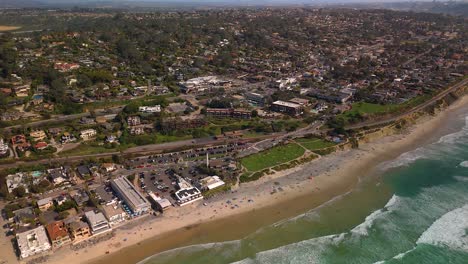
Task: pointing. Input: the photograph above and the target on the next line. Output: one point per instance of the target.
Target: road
(411, 111)
(61, 118)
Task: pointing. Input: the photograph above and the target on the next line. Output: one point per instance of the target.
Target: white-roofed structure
(33, 242)
(125, 190)
(97, 222)
(211, 182)
(187, 194)
(162, 204)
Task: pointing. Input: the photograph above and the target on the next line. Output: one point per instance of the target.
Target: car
(153, 178)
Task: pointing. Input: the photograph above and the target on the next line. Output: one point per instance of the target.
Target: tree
(62, 215)
(19, 191)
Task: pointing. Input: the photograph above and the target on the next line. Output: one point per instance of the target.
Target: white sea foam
(307, 251)
(449, 230)
(464, 164)
(461, 178)
(191, 249)
(312, 214)
(363, 228)
(406, 158)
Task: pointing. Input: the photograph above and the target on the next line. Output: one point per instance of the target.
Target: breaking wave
(449, 230)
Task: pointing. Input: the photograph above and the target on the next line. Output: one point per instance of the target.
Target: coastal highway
(412, 110)
(265, 142)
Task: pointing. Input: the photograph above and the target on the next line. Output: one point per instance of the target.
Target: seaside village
(88, 201)
(79, 93)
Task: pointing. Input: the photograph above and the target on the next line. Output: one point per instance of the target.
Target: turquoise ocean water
(414, 211)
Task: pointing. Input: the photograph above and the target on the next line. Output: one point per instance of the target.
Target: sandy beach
(266, 201)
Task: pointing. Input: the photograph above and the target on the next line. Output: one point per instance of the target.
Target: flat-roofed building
(255, 98)
(229, 112)
(211, 182)
(44, 204)
(125, 190)
(79, 230)
(161, 204)
(114, 213)
(32, 242)
(97, 222)
(187, 194)
(286, 107)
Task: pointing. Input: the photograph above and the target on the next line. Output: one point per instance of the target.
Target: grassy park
(272, 157)
(314, 143)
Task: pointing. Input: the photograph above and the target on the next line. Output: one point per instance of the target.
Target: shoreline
(275, 197)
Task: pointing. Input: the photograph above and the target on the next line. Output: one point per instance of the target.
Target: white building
(16, 180)
(150, 109)
(187, 194)
(211, 182)
(88, 134)
(125, 190)
(32, 242)
(4, 150)
(114, 213)
(97, 222)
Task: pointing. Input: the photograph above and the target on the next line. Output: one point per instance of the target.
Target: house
(45, 204)
(133, 120)
(67, 138)
(137, 130)
(16, 180)
(150, 109)
(59, 175)
(97, 222)
(111, 139)
(22, 91)
(87, 121)
(109, 167)
(300, 101)
(66, 67)
(286, 107)
(41, 145)
(114, 213)
(38, 135)
(61, 199)
(4, 149)
(78, 229)
(88, 134)
(24, 216)
(80, 197)
(58, 234)
(20, 142)
(55, 131)
(83, 171)
(32, 242)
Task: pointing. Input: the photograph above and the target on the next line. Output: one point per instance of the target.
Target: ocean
(413, 210)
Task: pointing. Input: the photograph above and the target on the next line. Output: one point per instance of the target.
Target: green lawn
(314, 143)
(368, 108)
(272, 157)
